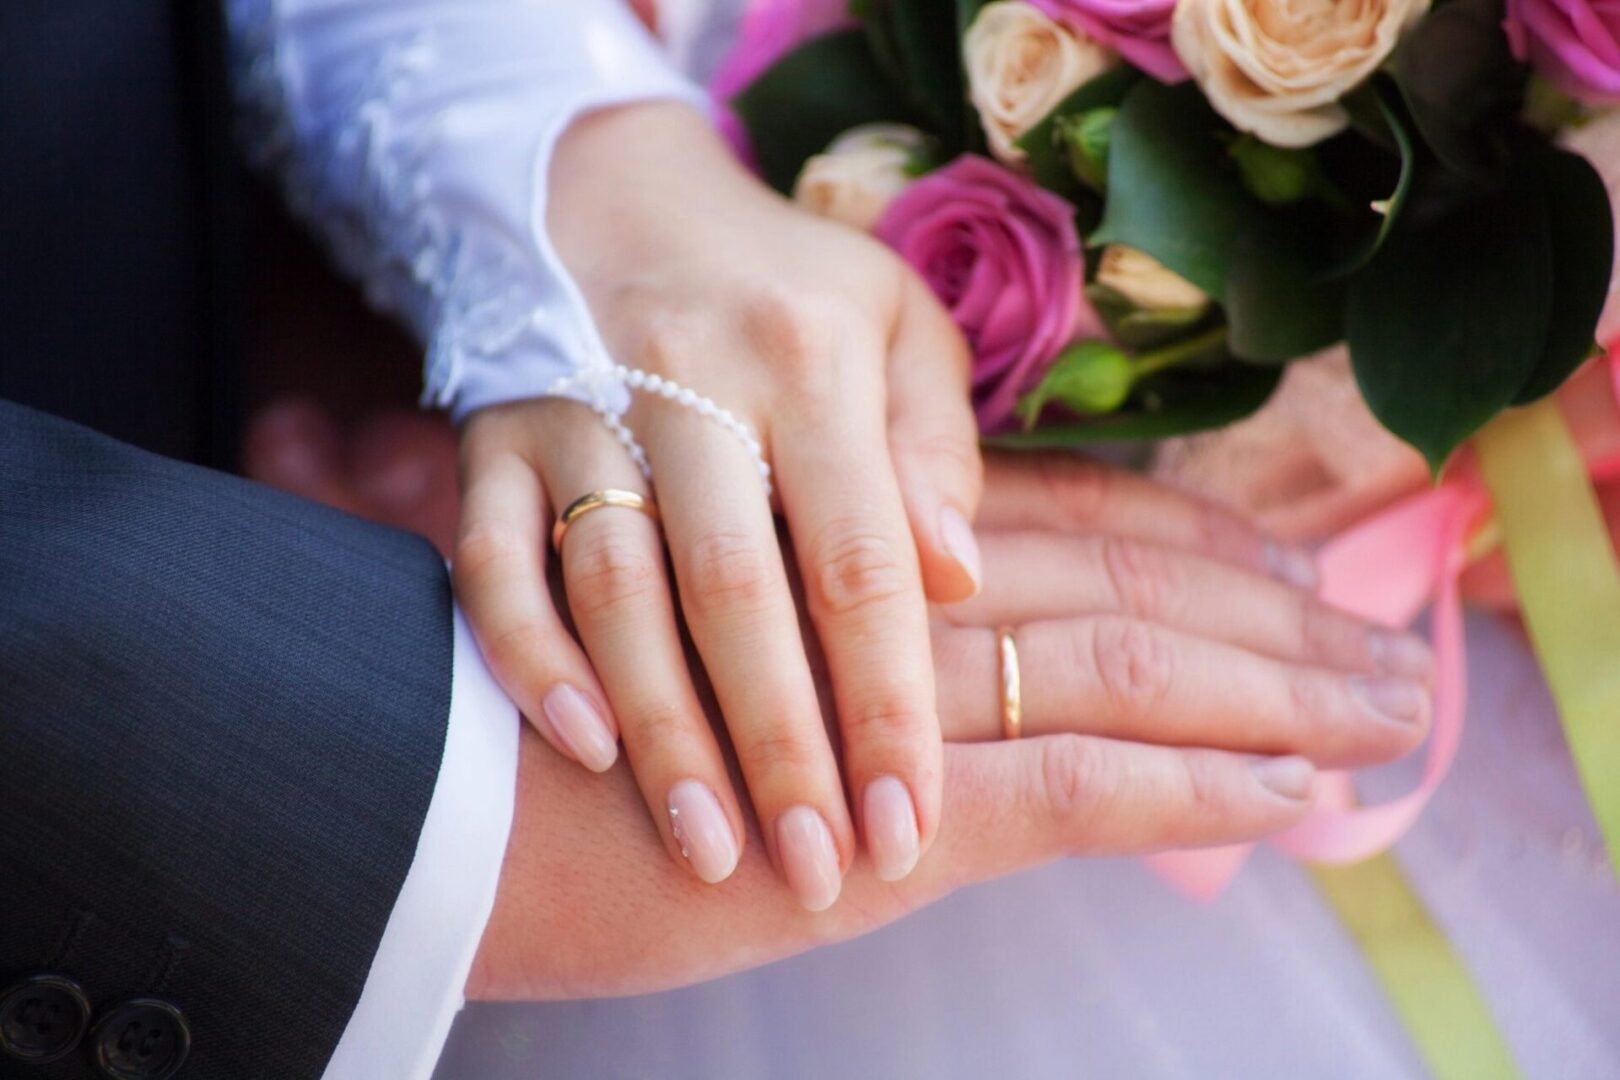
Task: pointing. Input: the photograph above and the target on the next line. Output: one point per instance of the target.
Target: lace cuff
(416, 139)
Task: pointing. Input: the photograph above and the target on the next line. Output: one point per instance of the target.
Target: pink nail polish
(580, 727)
(701, 828)
(809, 858)
(891, 827)
(957, 536)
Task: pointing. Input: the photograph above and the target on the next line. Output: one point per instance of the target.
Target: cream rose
(1145, 281)
(1277, 68)
(1021, 64)
(854, 179)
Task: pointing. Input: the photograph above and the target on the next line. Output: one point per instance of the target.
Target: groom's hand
(1152, 630)
(585, 910)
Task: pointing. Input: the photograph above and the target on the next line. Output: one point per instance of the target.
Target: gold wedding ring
(1012, 685)
(596, 500)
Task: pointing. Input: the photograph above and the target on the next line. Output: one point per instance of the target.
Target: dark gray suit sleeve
(222, 713)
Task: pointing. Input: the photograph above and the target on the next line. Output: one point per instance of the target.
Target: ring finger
(1126, 679)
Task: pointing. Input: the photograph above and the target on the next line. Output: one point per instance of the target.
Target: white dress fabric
(415, 138)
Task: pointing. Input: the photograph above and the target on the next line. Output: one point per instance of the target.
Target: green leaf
(1578, 217)
(1463, 86)
(811, 96)
(1178, 402)
(1280, 302)
(923, 53)
(1048, 157)
(1450, 320)
(1171, 190)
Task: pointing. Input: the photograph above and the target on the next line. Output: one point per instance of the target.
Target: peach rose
(855, 179)
(1020, 65)
(1145, 281)
(1277, 68)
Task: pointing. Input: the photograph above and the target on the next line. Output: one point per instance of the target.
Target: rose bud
(855, 178)
(1147, 283)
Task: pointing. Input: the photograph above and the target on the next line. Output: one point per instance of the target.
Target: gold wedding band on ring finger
(1012, 685)
(598, 500)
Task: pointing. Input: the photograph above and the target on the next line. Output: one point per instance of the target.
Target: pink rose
(1139, 30)
(1003, 256)
(1575, 43)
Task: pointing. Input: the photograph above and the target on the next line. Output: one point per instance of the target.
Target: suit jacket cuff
(414, 988)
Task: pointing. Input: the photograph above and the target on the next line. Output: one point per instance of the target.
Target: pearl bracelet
(669, 390)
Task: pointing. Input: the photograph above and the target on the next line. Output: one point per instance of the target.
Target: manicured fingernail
(1399, 700)
(957, 536)
(1401, 654)
(701, 828)
(809, 858)
(1292, 565)
(580, 727)
(891, 828)
(1290, 777)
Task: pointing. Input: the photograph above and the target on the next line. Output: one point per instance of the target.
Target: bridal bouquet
(1139, 211)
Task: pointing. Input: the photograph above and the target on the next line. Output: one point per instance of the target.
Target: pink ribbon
(1387, 569)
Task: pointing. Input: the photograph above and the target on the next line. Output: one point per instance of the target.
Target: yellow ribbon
(1424, 978)
(1568, 583)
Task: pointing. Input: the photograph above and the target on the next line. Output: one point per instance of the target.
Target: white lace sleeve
(415, 137)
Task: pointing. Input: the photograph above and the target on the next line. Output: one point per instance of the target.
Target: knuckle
(1329, 637)
(1147, 583)
(606, 573)
(794, 330)
(1133, 664)
(1075, 786)
(1222, 534)
(1203, 792)
(951, 453)
(1079, 488)
(784, 323)
(658, 723)
(855, 568)
(511, 647)
(1314, 705)
(890, 717)
(728, 571)
(780, 751)
(673, 341)
(486, 547)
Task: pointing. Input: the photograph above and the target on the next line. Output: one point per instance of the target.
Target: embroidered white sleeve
(416, 139)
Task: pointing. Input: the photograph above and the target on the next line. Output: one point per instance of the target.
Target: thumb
(934, 443)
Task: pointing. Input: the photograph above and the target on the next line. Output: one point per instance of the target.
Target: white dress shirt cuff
(414, 989)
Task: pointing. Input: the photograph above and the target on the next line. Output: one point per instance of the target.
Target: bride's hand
(1174, 695)
(856, 384)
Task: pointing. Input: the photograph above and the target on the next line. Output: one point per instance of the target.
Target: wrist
(601, 207)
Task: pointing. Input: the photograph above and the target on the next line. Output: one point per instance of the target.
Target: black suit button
(41, 1018)
(141, 1039)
